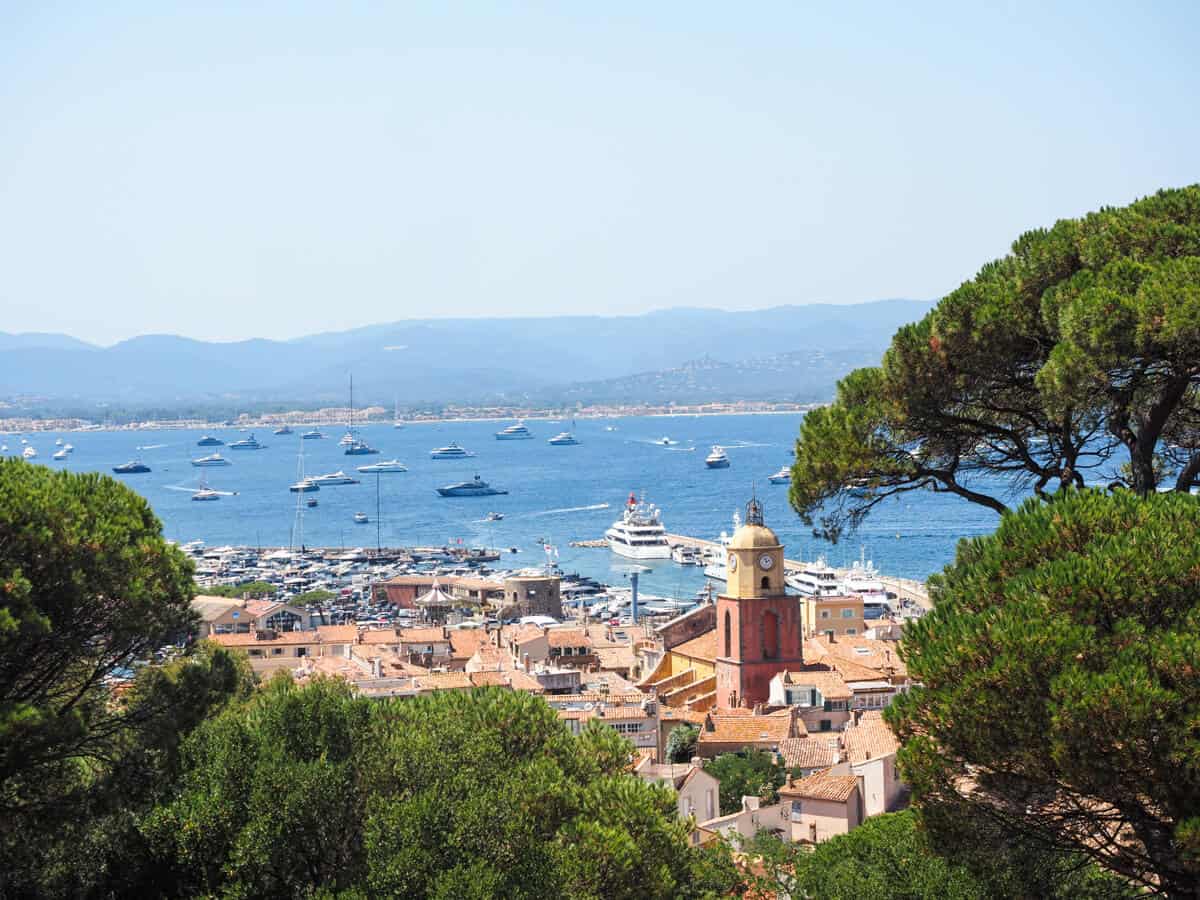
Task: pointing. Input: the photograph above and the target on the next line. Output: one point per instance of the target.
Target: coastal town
(803, 678)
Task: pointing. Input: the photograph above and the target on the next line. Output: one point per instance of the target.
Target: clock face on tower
(766, 561)
(732, 563)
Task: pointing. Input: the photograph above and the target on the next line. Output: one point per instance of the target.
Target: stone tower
(759, 632)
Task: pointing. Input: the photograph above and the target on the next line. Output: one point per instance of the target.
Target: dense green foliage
(87, 585)
(681, 743)
(1079, 350)
(249, 589)
(747, 773)
(1061, 673)
(890, 857)
(479, 794)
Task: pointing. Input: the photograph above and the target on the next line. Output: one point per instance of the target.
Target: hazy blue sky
(288, 168)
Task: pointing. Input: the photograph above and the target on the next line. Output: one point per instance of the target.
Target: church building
(727, 660)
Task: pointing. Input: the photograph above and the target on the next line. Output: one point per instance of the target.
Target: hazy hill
(441, 360)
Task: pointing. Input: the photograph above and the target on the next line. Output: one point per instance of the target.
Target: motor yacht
(248, 443)
(476, 487)
(133, 467)
(390, 465)
(639, 533)
(346, 440)
(783, 476)
(304, 486)
(816, 579)
(209, 441)
(213, 459)
(311, 502)
(283, 430)
(517, 432)
(716, 458)
(60, 454)
(450, 451)
(359, 448)
(563, 439)
(495, 516)
(338, 477)
(313, 435)
(29, 452)
(360, 518)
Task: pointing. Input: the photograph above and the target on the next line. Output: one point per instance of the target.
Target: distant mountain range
(688, 355)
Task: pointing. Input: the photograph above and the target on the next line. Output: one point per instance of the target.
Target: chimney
(525, 662)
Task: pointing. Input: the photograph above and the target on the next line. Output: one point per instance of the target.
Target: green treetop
(1079, 347)
(1060, 698)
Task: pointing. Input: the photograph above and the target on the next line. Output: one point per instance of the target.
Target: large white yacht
(338, 477)
(450, 451)
(388, 465)
(715, 557)
(717, 459)
(639, 533)
(213, 459)
(517, 432)
(863, 579)
(816, 579)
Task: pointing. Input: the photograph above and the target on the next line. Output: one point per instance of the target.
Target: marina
(567, 496)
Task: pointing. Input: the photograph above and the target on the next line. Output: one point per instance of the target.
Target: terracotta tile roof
(378, 636)
(523, 634)
(616, 657)
(465, 641)
(746, 730)
(821, 786)
(423, 636)
(568, 637)
(442, 681)
(876, 656)
(338, 634)
(489, 679)
(812, 752)
(490, 657)
(625, 698)
(703, 647)
(519, 681)
(821, 676)
(258, 608)
(871, 738)
(682, 714)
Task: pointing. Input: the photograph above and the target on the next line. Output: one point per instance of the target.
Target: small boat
(134, 466)
(783, 476)
(563, 439)
(338, 477)
(60, 454)
(206, 494)
(313, 435)
(477, 487)
(209, 441)
(360, 518)
(310, 502)
(495, 516)
(450, 451)
(29, 453)
(717, 459)
(283, 430)
(517, 432)
(213, 459)
(58, 442)
(359, 448)
(247, 444)
(69, 448)
(390, 465)
(304, 486)
(346, 440)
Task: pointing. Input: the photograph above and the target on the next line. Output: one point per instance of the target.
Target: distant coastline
(376, 415)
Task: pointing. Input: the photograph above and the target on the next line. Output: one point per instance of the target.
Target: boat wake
(567, 509)
(151, 446)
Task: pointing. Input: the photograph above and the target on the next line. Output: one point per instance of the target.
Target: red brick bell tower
(759, 632)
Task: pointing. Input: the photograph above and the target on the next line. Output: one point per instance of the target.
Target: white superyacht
(639, 533)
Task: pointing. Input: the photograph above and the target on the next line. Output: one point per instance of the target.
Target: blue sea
(556, 494)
